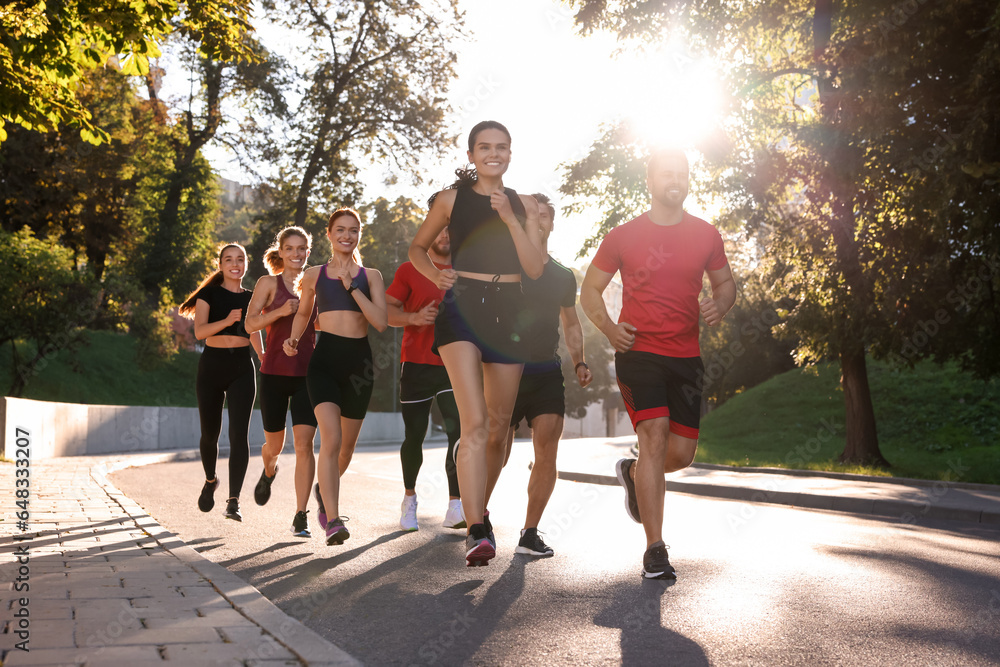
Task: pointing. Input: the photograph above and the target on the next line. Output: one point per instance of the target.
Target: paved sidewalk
(592, 460)
(108, 586)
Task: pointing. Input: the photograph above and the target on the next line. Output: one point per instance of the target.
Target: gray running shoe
(656, 564)
(622, 469)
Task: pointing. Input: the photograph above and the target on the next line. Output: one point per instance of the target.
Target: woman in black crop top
(494, 237)
(350, 297)
(225, 371)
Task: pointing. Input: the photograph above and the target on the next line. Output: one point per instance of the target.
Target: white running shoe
(455, 518)
(408, 518)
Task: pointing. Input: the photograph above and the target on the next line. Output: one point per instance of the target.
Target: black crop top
(331, 294)
(221, 302)
(480, 240)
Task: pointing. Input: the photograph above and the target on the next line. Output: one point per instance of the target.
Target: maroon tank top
(276, 362)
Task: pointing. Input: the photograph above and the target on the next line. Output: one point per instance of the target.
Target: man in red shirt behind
(412, 302)
(662, 255)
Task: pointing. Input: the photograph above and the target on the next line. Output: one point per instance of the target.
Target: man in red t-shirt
(662, 255)
(412, 302)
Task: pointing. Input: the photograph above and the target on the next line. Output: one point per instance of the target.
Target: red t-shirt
(416, 291)
(662, 269)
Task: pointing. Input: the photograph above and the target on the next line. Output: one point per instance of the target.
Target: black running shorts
(280, 393)
(482, 313)
(421, 382)
(341, 371)
(540, 394)
(656, 386)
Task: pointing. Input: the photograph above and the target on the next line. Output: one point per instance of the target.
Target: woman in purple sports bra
(349, 297)
(283, 378)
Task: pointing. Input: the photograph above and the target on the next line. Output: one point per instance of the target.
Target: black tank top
(480, 241)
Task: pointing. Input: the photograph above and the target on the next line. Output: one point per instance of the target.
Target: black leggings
(226, 375)
(415, 418)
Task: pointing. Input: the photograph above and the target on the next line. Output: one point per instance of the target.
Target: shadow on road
(637, 612)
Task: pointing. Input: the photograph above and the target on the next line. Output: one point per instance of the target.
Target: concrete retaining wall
(70, 429)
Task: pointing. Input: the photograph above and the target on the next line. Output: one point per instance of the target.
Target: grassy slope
(104, 371)
(934, 422)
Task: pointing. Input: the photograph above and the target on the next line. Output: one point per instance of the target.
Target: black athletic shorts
(341, 371)
(541, 393)
(656, 386)
(482, 313)
(280, 393)
(422, 382)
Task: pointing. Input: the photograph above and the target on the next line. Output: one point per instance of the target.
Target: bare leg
(464, 364)
(660, 452)
(327, 472)
(545, 433)
(500, 391)
(274, 442)
(305, 464)
(350, 429)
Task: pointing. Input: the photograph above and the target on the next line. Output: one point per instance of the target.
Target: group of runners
(480, 301)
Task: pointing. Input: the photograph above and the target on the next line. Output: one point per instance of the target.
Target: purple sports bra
(331, 294)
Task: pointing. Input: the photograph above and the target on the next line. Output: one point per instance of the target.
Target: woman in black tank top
(225, 372)
(495, 236)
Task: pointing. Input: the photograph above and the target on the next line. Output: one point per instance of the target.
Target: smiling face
(344, 233)
(490, 152)
(667, 179)
(545, 222)
(294, 251)
(233, 263)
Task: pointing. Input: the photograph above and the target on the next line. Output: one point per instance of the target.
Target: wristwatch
(354, 286)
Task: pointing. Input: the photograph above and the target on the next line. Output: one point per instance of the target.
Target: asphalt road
(757, 584)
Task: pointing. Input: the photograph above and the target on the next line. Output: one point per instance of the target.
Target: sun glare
(669, 98)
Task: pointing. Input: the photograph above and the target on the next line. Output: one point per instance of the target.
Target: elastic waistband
(235, 352)
(333, 338)
(486, 284)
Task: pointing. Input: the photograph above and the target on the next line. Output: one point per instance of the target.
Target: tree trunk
(862, 435)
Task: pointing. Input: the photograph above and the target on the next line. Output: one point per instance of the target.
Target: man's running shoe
(336, 531)
(408, 513)
(454, 518)
(655, 564)
(300, 525)
(531, 543)
(622, 470)
(206, 501)
(262, 492)
(233, 509)
(489, 529)
(478, 548)
(321, 513)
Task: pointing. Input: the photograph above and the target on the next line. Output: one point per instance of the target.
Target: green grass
(104, 371)
(934, 422)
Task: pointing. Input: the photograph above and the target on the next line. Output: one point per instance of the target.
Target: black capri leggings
(341, 371)
(416, 416)
(280, 394)
(226, 376)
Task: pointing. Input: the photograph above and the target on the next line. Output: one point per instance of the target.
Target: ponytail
(186, 309)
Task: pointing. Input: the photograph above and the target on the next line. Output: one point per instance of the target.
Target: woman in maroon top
(283, 378)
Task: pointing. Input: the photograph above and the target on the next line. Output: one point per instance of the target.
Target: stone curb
(311, 648)
(872, 506)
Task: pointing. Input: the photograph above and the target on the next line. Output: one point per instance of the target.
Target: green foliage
(47, 48)
(45, 301)
(930, 417)
(106, 369)
(375, 82)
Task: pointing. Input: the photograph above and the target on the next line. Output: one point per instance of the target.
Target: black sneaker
(300, 525)
(489, 529)
(233, 509)
(531, 543)
(478, 548)
(262, 492)
(622, 470)
(321, 514)
(206, 501)
(656, 564)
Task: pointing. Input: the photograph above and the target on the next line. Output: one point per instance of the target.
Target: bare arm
(307, 300)
(723, 296)
(203, 328)
(263, 295)
(374, 308)
(400, 318)
(573, 331)
(257, 342)
(621, 335)
(437, 219)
